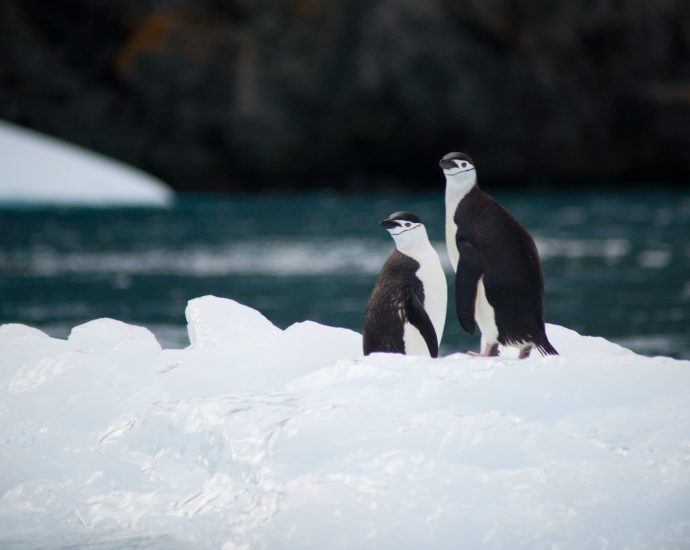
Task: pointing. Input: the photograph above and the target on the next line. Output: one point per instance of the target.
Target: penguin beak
(447, 164)
(388, 224)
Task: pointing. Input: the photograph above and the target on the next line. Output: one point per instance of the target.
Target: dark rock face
(233, 94)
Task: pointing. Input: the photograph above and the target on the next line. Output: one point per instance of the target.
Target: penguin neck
(457, 187)
(415, 246)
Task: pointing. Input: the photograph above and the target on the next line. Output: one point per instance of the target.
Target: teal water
(617, 264)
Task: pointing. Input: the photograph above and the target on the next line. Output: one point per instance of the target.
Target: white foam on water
(289, 257)
(654, 259)
(611, 249)
(269, 257)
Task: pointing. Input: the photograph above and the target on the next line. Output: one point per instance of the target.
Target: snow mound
(256, 437)
(35, 168)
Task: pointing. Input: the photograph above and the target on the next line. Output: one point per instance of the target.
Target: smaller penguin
(406, 312)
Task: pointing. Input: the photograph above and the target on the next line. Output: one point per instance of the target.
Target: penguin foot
(524, 353)
(490, 350)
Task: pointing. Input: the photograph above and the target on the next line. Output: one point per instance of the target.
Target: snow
(257, 437)
(35, 168)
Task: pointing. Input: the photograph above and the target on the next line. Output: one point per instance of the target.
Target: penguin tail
(545, 347)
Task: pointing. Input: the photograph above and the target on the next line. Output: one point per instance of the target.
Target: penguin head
(457, 165)
(405, 228)
(461, 177)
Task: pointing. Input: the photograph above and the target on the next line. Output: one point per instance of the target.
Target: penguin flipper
(470, 270)
(419, 319)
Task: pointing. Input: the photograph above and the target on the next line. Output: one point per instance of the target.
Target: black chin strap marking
(459, 171)
(406, 230)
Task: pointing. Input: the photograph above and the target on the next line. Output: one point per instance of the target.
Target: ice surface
(256, 437)
(35, 168)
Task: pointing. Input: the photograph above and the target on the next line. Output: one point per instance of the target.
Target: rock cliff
(240, 94)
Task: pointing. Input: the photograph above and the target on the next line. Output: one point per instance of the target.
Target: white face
(408, 236)
(460, 167)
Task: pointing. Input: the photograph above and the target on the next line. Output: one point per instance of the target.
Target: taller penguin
(499, 284)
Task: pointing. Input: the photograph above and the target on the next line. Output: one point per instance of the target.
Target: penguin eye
(464, 164)
(407, 224)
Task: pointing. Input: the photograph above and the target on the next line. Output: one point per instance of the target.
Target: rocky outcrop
(237, 94)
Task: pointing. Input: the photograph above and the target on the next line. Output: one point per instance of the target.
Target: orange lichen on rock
(671, 94)
(307, 9)
(151, 34)
(180, 33)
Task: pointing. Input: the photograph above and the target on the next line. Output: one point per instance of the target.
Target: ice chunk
(256, 437)
(110, 334)
(214, 322)
(36, 168)
(24, 347)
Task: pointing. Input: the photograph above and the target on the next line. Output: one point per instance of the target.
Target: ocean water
(617, 263)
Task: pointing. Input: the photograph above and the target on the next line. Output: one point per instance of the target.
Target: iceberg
(257, 437)
(38, 169)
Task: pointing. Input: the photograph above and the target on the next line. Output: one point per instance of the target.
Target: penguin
(499, 283)
(406, 312)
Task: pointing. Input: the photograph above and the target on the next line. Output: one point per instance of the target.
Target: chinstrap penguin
(499, 284)
(406, 312)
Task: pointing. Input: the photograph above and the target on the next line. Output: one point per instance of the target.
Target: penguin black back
(384, 318)
(511, 270)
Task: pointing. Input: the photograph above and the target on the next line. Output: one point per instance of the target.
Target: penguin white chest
(451, 245)
(414, 341)
(485, 316)
(456, 190)
(433, 279)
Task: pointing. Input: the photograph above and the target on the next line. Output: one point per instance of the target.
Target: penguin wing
(419, 319)
(467, 275)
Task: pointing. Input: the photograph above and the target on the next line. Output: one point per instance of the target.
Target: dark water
(616, 264)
